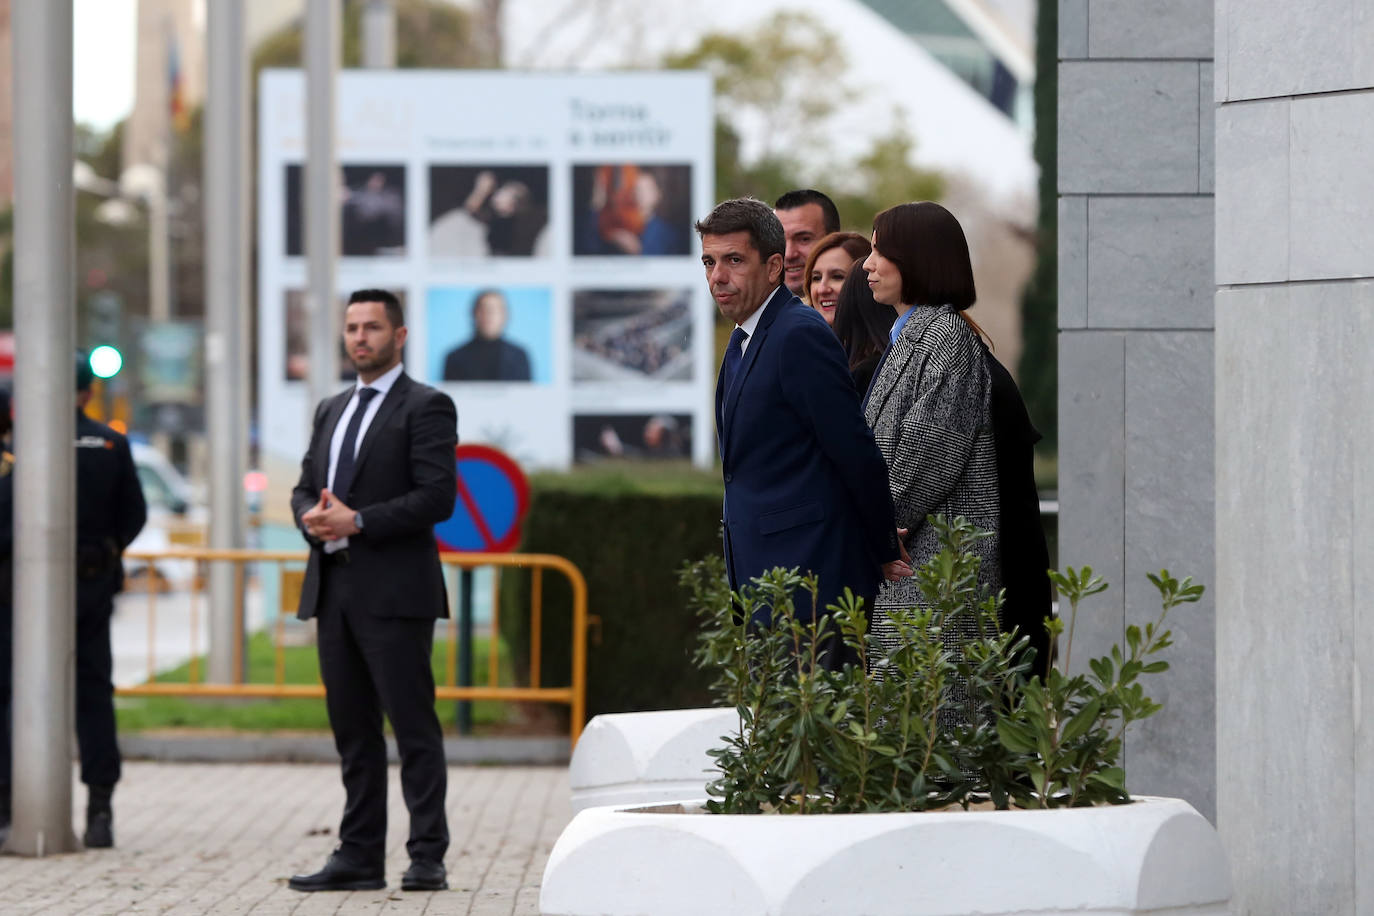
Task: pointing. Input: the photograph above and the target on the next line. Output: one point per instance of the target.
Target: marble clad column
(1295, 452)
(1135, 351)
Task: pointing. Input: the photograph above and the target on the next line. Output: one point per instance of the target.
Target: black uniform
(110, 512)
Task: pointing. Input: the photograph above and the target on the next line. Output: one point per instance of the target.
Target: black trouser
(6, 674)
(373, 665)
(95, 715)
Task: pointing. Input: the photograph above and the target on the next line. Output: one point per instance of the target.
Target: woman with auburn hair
(862, 325)
(929, 404)
(826, 268)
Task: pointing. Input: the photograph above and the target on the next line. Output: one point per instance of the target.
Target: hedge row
(629, 546)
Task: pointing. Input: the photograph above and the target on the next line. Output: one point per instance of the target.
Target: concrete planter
(642, 757)
(1158, 856)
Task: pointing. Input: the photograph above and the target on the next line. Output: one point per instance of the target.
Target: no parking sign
(493, 496)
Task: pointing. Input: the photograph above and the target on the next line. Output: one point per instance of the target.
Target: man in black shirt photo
(488, 357)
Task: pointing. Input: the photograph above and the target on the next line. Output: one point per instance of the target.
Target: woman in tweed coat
(929, 400)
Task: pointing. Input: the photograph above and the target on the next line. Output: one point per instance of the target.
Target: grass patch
(302, 667)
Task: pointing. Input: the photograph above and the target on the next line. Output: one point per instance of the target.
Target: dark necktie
(734, 352)
(343, 472)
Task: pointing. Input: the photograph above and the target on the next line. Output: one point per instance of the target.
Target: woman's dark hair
(854, 245)
(927, 244)
(861, 323)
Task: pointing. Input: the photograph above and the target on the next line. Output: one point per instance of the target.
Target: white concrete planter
(1157, 856)
(640, 757)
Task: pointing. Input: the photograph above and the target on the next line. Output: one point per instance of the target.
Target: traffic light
(106, 362)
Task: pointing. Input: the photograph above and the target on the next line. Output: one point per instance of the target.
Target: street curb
(269, 748)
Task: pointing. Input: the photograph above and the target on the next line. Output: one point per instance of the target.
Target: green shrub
(946, 723)
(622, 532)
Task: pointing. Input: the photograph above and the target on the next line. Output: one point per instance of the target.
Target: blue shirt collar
(899, 324)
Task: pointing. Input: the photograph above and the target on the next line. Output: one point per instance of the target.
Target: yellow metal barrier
(290, 565)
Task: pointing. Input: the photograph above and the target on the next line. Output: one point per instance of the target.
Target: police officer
(110, 512)
(6, 606)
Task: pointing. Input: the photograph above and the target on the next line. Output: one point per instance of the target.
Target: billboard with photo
(537, 228)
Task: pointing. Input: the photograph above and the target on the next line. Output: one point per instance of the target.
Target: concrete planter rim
(1156, 855)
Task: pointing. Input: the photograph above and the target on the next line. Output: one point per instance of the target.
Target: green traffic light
(106, 362)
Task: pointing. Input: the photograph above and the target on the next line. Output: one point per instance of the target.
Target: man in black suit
(805, 484)
(488, 357)
(377, 477)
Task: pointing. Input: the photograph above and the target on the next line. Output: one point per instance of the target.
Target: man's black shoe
(339, 874)
(99, 830)
(425, 875)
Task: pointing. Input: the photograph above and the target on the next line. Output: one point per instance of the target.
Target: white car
(175, 519)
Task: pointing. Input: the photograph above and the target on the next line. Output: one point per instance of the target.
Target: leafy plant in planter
(952, 720)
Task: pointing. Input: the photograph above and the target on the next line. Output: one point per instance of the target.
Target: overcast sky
(103, 41)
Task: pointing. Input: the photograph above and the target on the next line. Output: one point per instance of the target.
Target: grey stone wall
(1295, 452)
(1136, 351)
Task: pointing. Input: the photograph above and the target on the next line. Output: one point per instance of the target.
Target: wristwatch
(358, 520)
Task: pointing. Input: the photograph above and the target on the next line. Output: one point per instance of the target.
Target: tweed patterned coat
(929, 410)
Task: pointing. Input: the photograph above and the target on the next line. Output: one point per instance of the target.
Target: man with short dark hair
(376, 479)
(807, 216)
(805, 484)
(488, 356)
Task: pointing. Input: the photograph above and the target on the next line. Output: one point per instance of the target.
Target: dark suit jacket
(805, 484)
(480, 360)
(403, 484)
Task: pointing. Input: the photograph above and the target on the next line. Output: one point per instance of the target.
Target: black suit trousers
(372, 666)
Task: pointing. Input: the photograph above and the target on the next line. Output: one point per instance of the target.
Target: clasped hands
(900, 569)
(329, 519)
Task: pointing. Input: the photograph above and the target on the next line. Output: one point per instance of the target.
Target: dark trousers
(373, 665)
(95, 715)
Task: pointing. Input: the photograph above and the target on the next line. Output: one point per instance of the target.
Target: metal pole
(45, 414)
(379, 35)
(226, 283)
(465, 648)
(322, 32)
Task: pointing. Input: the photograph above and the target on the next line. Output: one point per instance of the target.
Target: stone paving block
(1073, 262)
(1128, 127)
(1150, 262)
(1277, 48)
(1073, 29)
(1158, 29)
(1092, 474)
(1332, 187)
(1206, 129)
(1252, 192)
(206, 838)
(1170, 521)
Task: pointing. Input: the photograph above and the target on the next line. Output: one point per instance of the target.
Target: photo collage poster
(537, 229)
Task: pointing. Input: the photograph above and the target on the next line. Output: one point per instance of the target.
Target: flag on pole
(181, 118)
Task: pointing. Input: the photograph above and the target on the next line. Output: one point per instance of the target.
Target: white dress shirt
(751, 323)
(382, 385)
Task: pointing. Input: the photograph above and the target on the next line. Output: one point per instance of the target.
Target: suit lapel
(894, 368)
(780, 299)
(388, 407)
(331, 421)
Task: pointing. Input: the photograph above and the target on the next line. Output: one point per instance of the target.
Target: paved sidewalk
(223, 838)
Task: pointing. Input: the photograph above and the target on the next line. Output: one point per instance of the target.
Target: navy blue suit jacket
(805, 484)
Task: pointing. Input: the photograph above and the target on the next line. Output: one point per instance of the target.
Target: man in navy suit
(805, 484)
